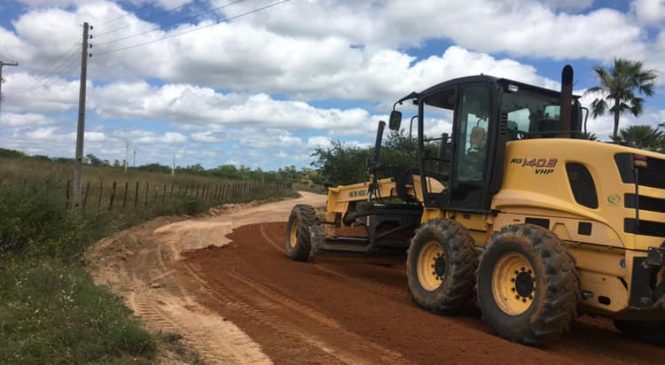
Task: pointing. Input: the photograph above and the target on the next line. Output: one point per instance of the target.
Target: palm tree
(641, 136)
(618, 87)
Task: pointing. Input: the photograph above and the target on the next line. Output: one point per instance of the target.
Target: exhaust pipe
(374, 164)
(377, 145)
(566, 101)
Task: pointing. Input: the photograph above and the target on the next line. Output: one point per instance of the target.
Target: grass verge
(50, 310)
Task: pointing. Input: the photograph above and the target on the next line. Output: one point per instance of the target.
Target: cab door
(472, 131)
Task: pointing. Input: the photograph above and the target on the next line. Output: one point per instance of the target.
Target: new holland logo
(356, 193)
(541, 166)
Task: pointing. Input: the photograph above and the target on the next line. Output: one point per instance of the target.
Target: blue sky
(265, 89)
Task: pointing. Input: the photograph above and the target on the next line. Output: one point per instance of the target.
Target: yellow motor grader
(515, 209)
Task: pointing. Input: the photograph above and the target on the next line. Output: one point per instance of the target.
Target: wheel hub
(524, 284)
(513, 284)
(431, 266)
(439, 266)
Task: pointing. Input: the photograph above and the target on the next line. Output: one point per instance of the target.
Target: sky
(262, 83)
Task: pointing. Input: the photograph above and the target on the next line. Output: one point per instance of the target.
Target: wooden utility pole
(2, 80)
(80, 130)
(126, 155)
(173, 167)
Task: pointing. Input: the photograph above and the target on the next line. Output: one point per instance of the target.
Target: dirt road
(238, 299)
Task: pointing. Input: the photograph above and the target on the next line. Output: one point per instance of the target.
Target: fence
(140, 195)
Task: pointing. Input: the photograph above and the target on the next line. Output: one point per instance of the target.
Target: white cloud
(218, 86)
(522, 27)
(259, 61)
(143, 137)
(319, 141)
(21, 120)
(209, 137)
(250, 137)
(42, 133)
(649, 11)
(568, 4)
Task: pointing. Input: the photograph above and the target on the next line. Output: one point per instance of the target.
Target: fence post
(85, 195)
(147, 191)
(136, 194)
(67, 195)
(164, 193)
(124, 196)
(101, 193)
(112, 196)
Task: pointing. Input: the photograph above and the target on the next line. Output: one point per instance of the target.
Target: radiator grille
(646, 203)
(646, 228)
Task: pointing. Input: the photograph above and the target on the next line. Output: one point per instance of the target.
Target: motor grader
(515, 209)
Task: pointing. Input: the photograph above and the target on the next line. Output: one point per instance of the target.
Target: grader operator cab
(514, 209)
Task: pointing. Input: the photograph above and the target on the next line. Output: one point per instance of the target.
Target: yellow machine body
(536, 186)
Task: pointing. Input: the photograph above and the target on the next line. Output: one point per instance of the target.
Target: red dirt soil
(338, 310)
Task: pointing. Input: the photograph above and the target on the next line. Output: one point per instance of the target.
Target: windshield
(531, 113)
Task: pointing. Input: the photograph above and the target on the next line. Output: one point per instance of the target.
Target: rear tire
(527, 285)
(440, 265)
(652, 332)
(298, 238)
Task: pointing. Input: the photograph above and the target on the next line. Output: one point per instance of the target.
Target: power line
(2, 80)
(50, 80)
(57, 67)
(194, 29)
(163, 11)
(159, 27)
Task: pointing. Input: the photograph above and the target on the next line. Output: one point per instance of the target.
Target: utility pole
(126, 155)
(80, 129)
(173, 167)
(2, 80)
(134, 161)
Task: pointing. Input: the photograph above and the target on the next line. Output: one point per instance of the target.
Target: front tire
(441, 262)
(527, 285)
(298, 237)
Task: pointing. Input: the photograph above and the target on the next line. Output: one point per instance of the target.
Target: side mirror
(395, 120)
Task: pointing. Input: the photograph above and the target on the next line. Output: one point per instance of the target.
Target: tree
(343, 164)
(155, 167)
(619, 87)
(94, 160)
(641, 136)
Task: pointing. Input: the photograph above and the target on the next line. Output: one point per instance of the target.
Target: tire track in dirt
(263, 301)
(237, 307)
(196, 324)
(343, 303)
(374, 286)
(240, 300)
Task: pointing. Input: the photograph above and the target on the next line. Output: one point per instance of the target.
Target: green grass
(50, 310)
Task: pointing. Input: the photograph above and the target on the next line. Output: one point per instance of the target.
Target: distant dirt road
(240, 300)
